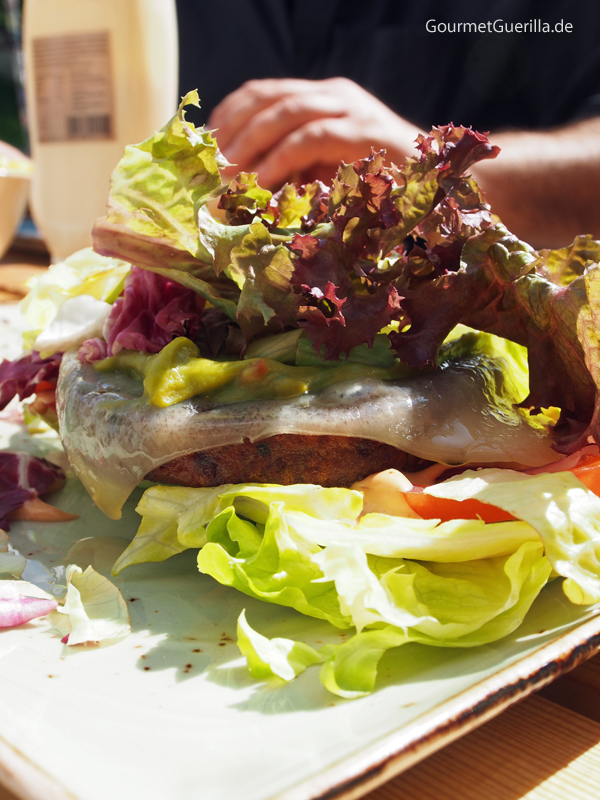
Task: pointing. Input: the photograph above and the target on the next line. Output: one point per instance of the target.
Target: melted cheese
(114, 438)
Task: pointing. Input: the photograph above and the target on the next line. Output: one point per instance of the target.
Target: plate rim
(352, 777)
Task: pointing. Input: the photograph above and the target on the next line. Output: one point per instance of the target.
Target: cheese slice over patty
(113, 437)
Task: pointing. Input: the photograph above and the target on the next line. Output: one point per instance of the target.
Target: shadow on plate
(191, 619)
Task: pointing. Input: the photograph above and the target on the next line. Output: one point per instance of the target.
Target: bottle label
(73, 87)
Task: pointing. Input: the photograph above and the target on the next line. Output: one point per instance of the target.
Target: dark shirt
(490, 80)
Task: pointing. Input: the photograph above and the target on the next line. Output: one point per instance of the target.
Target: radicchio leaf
(20, 378)
(10, 500)
(92, 350)
(152, 311)
(17, 609)
(23, 470)
(22, 477)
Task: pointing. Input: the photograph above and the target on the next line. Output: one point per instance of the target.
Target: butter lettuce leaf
(156, 539)
(83, 273)
(93, 609)
(421, 539)
(562, 510)
(156, 192)
(175, 518)
(465, 607)
(457, 605)
(279, 570)
(390, 579)
(273, 658)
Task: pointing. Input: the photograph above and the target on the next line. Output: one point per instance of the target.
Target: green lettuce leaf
(175, 518)
(507, 358)
(466, 607)
(84, 272)
(562, 510)
(272, 565)
(421, 539)
(394, 580)
(273, 658)
(380, 354)
(244, 199)
(93, 610)
(156, 539)
(445, 605)
(263, 273)
(300, 207)
(156, 192)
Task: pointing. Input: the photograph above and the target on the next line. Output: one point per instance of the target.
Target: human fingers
(238, 108)
(323, 141)
(271, 125)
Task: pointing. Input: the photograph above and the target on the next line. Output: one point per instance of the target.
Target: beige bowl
(15, 177)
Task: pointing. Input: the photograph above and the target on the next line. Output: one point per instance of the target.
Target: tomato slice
(43, 386)
(588, 472)
(430, 507)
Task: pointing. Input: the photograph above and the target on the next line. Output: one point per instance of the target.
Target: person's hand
(287, 128)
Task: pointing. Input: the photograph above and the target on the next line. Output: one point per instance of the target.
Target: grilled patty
(287, 459)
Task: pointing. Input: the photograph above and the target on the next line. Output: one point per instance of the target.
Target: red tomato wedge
(588, 472)
(430, 507)
(43, 386)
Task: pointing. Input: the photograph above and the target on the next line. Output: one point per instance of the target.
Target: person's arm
(545, 185)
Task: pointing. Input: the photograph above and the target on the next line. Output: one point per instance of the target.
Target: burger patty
(287, 459)
(114, 438)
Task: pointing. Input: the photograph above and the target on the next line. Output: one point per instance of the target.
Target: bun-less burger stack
(258, 365)
(302, 340)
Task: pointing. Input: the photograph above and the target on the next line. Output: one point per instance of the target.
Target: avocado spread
(178, 373)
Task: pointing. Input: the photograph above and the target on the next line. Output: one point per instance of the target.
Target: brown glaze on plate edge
(361, 773)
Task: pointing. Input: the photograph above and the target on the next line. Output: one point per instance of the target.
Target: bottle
(99, 74)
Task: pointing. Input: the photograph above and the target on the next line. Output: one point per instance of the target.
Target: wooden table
(546, 747)
(16, 268)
